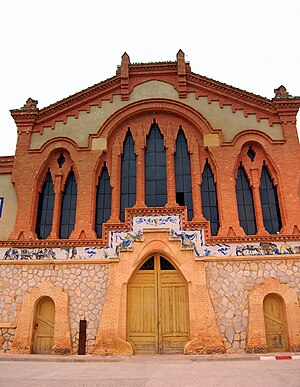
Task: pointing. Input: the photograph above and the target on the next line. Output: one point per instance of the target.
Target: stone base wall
(6, 338)
(86, 285)
(229, 284)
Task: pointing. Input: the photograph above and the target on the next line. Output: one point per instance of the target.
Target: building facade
(155, 212)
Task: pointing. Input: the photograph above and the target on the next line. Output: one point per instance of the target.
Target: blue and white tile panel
(192, 239)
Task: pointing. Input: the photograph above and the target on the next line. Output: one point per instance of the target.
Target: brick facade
(221, 125)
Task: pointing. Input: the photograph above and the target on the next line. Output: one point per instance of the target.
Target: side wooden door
(44, 326)
(157, 308)
(275, 324)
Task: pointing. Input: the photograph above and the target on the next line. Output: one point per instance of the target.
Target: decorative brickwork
(227, 274)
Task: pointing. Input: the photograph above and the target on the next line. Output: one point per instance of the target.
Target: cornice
(6, 164)
(82, 97)
(231, 91)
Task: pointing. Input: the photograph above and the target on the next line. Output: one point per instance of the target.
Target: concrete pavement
(150, 370)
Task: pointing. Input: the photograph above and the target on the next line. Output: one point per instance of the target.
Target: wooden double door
(157, 319)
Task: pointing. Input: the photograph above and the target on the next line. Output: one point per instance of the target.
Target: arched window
(45, 209)
(128, 176)
(183, 175)
(155, 169)
(245, 203)
(209, 199)
(103, 201)
(269, 203)
(68, 207)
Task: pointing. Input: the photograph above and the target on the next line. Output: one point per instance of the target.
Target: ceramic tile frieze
(125, 239)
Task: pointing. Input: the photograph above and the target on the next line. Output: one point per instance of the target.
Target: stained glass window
(103, 201)
(45, 209)
(210, 199)
(155, 169)
(245, 203)
(183, 175)
(269, 203)
(128, 176)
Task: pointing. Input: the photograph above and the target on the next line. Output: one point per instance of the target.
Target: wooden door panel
(275, 324)
(44, 327)
(142, 313)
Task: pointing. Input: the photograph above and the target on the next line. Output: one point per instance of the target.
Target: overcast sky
(52, 49)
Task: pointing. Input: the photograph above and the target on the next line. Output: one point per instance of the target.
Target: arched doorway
(157, 319)
(275, 323)
(44, 326)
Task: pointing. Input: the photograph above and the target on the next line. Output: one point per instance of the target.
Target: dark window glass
(103, 201)
(183, 175)
(68, 207)
(128, 176)
(45, 209)
(148, 265)
(61, 160)
(245, 203)
(269, 203)
(155, 169)
(165, 264)
(210, 199)
(251, 154)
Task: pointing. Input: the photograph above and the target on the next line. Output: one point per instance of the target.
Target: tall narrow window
(45, 209)
(209, 199)
(183, 175)
(269, 203)
(155, 169)
(68, 207)
(128, 176)
(103, 201)
(245, 203)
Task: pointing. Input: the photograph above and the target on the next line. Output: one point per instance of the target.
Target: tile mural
(124, 240)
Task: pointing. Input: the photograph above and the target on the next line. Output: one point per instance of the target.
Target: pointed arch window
(210, 199)
(155, 169)
(128, 176)
(269, 203)
(245, 203)
(68, 207)
(103, 201)
(183, 175)
(45, 209)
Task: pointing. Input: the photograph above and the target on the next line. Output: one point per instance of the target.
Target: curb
(146, 358)
(281, 357)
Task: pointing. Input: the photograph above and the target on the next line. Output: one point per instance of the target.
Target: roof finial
(30, 104)
(281, 92)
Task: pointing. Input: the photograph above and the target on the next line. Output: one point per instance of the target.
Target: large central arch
(203, 333)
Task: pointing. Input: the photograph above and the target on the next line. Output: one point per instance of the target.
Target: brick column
(140, 173)
(170, 168)
(57, 207)
(195, 180)
(257, 203)
(115, 183)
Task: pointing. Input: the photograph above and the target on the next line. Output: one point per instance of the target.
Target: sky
(53, 49)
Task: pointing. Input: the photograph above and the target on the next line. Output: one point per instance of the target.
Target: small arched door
(275, 324)
(44, 326)
(157, 320)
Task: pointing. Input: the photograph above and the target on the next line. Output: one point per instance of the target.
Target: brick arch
(261, 157)
(256, 339)
(138, 109)
(51, 162)
(204, 332)
(23, 340)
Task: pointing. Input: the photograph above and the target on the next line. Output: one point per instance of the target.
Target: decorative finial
(281, 92)
(30, 104)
